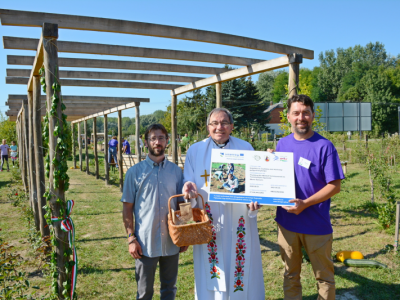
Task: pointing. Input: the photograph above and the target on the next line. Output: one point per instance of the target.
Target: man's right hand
(189, 190)
(135, 250)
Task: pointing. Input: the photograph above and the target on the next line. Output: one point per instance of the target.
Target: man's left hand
(297, 208)
(183, 249)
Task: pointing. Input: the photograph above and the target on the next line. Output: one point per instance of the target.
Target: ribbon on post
(67, 225)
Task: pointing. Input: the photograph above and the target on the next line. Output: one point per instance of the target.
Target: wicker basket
(190, 234)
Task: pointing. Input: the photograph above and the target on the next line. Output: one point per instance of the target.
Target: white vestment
(229, 267)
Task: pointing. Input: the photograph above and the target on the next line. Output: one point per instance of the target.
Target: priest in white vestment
(229, 267)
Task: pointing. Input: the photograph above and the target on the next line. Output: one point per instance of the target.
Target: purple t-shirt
(113, 143)
(325, 167)
(128, 147)
(4, 149)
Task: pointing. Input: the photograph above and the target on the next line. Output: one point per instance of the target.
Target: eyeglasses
(223, 123)
(159, 138)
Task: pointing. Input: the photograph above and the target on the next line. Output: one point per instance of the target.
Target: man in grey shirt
(147, 188)
(231, 183)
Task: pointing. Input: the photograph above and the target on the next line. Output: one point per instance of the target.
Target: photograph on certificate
(228, 178)
(240, 176)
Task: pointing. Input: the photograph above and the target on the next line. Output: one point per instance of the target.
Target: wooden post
(38, 154)
(26, 148)
(218, 90)
(396, 236)
(32, 164)
(345, 168)
(86, 147)
(295, 60)
(73, 144)
(366, 141)
(174, 127)
(22, 148)
(119, 151)
(106, 149)
(80, 145)
(96, 159)
(50, 36)
(138, 150)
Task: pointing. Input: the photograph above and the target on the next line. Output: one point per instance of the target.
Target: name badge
(304, 162)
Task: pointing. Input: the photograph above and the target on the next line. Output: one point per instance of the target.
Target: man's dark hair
(302, 99)
(155, 127)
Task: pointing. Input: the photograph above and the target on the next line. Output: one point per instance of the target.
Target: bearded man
(148, 186)
(222, 272)
(318, 174)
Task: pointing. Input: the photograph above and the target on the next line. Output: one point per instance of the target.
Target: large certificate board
(267, 178)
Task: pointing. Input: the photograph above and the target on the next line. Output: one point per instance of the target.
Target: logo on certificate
(257, 157)
(267, 158)
(283, 158)
(221, 154)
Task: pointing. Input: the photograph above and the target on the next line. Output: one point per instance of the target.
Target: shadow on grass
(90, 270)
(350, 236)
(271, 245)
(365, 288)
(102, 239)
(4, 183)
(97, 213)
(352, 175)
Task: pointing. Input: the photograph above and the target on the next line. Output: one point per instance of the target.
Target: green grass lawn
(106, 270)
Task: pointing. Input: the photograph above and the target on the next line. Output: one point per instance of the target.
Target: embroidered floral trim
(212, 248)
(240, 260)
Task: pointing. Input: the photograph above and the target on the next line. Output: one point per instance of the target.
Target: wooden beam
(264, 66)
(174, 128)
(137, 133)
(106, 158)
(73, 112)
(11, 42)
(218, 96)
(80, 145)
(32, 165)
(71, 106)
(38, 152)
(37, 64)
(119, 152)
(118, 65)
(109, 75)
(27, 18)
(73, 145)
(88, 99)
(294, 73)
(108, 111)
(102, 83)
(86, 147)
(96, 159)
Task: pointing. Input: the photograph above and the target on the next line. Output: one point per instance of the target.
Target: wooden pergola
(28, 110)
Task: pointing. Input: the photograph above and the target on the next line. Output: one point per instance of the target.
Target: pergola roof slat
(264, 66)
(36, 19)
(101, 83)
(108, 75)
(103, 49)
(117, 64)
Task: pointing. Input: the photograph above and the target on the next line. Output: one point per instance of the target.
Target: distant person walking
(4, 155)
(14, 153)
(113, 150)
(126, 147)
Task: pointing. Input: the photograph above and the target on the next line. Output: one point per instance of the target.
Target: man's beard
(160, 153)
(302, 131)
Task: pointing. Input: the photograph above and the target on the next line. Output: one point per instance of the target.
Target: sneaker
(8, 170)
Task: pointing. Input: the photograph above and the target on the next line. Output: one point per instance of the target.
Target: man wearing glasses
(147, 188)
(218, 275)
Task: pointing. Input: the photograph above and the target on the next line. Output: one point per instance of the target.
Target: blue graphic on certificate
(239, 176)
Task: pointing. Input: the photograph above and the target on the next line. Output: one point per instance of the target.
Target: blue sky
(317, 25)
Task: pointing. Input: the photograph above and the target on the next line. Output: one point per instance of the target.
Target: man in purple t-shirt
(318, 175)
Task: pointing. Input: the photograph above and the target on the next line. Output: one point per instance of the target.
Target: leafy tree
(7, 129)
(280, 86)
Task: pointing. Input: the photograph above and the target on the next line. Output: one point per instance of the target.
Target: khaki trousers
(318, 248)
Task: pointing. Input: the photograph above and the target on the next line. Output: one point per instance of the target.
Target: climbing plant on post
(56, 166)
